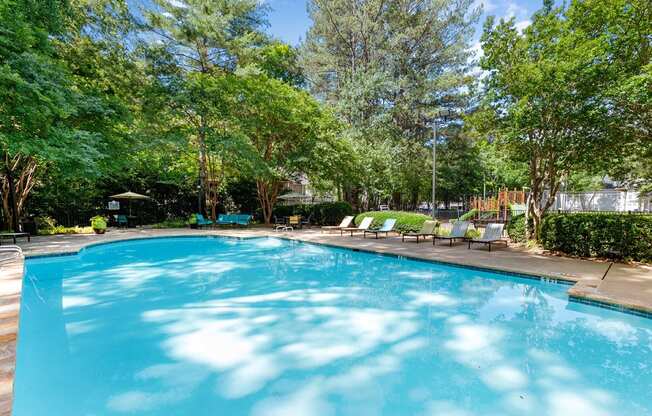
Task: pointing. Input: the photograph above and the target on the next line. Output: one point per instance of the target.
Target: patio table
(13, 236)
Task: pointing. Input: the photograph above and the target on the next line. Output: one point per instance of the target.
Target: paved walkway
(11, 282)
(619, 284)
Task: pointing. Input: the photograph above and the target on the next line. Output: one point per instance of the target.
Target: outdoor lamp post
(199, 199)
(442, 114)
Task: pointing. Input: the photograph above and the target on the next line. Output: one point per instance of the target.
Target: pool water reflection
(206, 326)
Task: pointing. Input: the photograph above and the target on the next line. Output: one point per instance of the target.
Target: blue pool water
(210, 326)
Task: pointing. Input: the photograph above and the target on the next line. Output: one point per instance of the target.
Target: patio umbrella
(130, 196)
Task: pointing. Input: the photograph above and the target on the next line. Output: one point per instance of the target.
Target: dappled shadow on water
(268, 327)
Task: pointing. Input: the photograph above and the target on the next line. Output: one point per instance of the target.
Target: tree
(187, 44)
(547, 101)
(285, 128)
(623, 29)
(384, 67)
(39, 103)
(459, 169)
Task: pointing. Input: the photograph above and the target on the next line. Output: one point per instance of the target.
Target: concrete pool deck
(622, 285)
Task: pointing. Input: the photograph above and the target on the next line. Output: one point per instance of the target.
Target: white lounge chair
(457, 233)
(364, 225)
(346, 222)
(493, 233)
(427, 229)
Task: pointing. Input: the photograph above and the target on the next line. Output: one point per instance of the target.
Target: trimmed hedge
(626, 236)
(327, 213)
(516, 229)
(405, 221)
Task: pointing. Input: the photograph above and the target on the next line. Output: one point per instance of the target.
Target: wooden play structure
(497, 208)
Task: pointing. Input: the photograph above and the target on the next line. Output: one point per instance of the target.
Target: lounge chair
(293, 221)
(344, 224)
(457, 233)
(202, 222)
(387, 227)
(427, 230)
(279, 223)
(307, 221)
(493, 233)
(364, 225)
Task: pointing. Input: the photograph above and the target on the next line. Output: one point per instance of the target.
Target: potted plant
(98, 224)
(192, 221)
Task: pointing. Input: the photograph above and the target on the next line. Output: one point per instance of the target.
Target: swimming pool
(213, 326)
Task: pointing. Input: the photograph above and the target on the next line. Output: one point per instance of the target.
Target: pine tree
(386, 66)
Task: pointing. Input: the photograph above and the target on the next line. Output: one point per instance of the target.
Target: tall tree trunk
(215, 174)
(543, 175)
(203, 168)
(352, 196)
(17, 181)
(11, 204)
(267, 195)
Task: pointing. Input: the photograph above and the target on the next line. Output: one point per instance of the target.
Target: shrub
(516, 229)
(405, 221)
(330, 213)
(287, 210)
(473, 233)
(98, 222)
(60, 229)
(172, 223)
(48, 226)
(192, 219)
(45, 224)
(624, 236)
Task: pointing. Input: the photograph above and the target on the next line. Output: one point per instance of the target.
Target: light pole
(199, 199)
(441, 114)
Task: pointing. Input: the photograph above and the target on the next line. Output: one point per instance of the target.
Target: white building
(300, 192)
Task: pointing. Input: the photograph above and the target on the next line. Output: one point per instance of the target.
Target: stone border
(11, 285)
